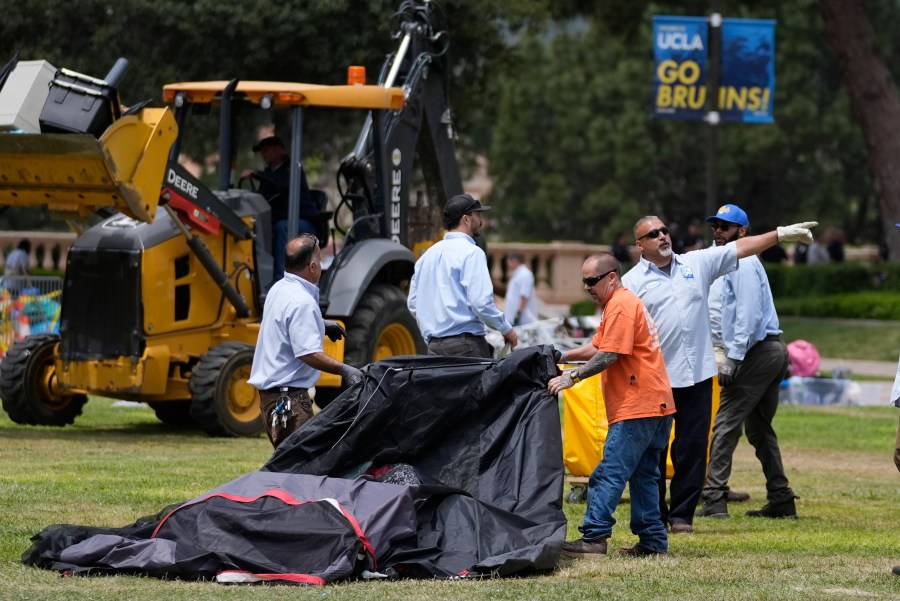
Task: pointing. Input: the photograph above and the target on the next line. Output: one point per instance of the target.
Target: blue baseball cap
(731, 214)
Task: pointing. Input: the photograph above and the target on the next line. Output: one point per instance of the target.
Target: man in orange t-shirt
(639, 407)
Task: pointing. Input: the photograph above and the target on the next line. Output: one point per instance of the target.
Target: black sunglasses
(595, 279)
(722, 225)
(655, 232)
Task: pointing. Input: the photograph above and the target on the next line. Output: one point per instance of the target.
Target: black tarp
(477, 445)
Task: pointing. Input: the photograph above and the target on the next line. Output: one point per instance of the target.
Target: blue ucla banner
(679, 49)
(747, 75)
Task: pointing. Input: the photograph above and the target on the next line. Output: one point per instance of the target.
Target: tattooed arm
(594, 366)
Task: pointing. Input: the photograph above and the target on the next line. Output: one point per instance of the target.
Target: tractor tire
(380, 327)
(28, 384)
(222, 402)
(173, 413)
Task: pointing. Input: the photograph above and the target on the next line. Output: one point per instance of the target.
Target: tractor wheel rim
(243, 399)
(48, 389)
(396, 339)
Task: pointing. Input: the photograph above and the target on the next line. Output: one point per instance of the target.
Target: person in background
(274, 185)
(817, 254)
(693, 238)
(289, 354)
(755, 362)
(895, 401)
(836, 239)
(639, 408)
(801, 253)
(458, 296)
(18, 263)
(620, 249)
(674, 288)
(520, 306)
(775, 255)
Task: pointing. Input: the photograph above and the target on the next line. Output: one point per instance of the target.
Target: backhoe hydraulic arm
(209, 263)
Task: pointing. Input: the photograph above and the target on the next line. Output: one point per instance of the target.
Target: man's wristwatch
(576, 377)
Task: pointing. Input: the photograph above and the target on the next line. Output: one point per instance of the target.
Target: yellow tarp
(585, 426)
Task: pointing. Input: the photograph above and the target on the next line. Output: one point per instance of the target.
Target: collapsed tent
(433, 467)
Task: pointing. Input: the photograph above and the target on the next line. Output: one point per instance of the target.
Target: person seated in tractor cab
(273, 181)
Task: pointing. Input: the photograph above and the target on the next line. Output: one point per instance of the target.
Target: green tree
(874, 100)
(594, 83)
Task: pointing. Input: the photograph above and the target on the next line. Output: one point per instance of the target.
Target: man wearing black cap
(754, 362)
(457, 296)
(274, 185)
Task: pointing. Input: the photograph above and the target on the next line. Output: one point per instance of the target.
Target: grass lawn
(846, 338)
(117, 464)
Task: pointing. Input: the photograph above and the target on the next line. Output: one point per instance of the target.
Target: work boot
(582, 548)
(737, 497)
(785, 509)
(681, 528)
(713, 509)
(639, 550)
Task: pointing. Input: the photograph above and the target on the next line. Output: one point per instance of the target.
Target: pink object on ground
(804, 358)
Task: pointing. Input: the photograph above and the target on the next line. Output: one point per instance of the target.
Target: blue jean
(630, 455)
(279, 240)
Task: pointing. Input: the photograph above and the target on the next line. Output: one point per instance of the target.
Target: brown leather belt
(285, 389)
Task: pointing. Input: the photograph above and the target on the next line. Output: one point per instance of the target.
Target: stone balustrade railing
(556, 267)
(49, 250)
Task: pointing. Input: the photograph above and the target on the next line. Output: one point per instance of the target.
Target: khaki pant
(300, 412)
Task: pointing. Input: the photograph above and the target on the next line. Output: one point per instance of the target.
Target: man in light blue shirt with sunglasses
(674, 288)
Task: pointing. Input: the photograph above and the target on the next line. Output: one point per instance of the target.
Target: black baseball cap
(461, 204)
(268, 143)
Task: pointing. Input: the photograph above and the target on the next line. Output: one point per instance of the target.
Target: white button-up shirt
(292, 326)
(747, 308)
(521, 283)
(678, 304)
(451, 291)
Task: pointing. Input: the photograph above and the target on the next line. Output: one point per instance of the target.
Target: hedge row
(861, 305)
(793, 281)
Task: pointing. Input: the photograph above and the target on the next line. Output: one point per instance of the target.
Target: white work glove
(351, 375)
(719, 352)
(799, 232)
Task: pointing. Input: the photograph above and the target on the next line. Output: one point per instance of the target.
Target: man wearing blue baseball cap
(674, 288)
(752, 362)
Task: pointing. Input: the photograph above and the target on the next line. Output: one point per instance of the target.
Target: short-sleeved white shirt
(292, 326)
(521, 283)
